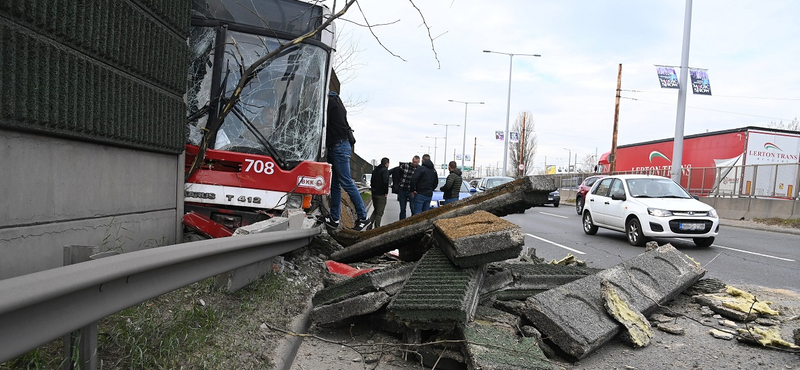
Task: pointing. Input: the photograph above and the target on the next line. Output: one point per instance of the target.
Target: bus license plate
(692, 226)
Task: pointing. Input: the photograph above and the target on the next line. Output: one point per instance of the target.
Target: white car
(644, 206)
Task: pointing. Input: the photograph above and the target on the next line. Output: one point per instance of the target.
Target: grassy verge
(785, 222)
(195, 327)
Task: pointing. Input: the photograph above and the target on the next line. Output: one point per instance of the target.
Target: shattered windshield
(281, 107)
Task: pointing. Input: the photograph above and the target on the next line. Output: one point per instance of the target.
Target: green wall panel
(112, 71)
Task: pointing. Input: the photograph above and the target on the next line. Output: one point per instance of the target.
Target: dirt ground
(359, 346)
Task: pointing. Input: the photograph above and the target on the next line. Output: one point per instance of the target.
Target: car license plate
(692, 226)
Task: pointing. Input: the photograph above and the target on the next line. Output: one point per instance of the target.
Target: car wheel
(588, 226)
(703, 242)
(579, 205)
(555, 204)
(633, 229)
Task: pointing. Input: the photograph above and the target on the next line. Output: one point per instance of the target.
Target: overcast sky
(750, 49)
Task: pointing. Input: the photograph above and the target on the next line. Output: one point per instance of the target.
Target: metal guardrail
(42, 306)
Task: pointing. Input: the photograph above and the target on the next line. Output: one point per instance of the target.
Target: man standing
(380, 189)
(339, 141)
(401, 177)
(452, 187)
(423, 183)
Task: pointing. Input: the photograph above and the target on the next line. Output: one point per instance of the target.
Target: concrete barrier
(796, 210)
(766, 208)
(730, 208)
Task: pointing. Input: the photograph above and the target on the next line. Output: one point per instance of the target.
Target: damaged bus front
(264, 156)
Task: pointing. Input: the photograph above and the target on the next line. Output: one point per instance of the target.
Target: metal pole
(677, 149)
(508, 115)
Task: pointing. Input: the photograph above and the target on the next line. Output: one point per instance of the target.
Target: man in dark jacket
(452, 187)
(380, 190)
(401, 185)
(423, 183)
(338, 140)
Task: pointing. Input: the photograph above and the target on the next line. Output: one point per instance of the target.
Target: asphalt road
(738, 255)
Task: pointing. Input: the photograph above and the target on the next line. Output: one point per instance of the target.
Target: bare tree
(791, 126)
(527, 145)
(586, 164)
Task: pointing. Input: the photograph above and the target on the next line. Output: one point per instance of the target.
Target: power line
(717, 96)
(708, 109)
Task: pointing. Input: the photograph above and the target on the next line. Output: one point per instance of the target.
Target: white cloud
(748, 47)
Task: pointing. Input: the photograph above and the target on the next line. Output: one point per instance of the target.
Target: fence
(781, 181)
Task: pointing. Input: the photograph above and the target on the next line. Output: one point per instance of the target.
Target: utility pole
(474, 152)
(612, 158)
(522, 145)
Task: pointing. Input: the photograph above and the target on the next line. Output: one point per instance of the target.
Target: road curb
(286, 350)
(758, 226)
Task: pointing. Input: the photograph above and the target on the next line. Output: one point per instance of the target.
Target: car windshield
(655, 188)
(490, 183)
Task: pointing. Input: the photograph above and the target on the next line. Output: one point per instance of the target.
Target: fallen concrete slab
(517, 280)
(478, 238)
(500, 201)
(351, 307)
(438, 294)
(572, 316)
(369, 282)
(492, 347)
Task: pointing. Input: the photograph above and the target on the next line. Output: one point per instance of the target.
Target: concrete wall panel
(35, 248)
(48, 179)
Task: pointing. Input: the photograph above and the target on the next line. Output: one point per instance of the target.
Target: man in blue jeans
(423, 183)
(401, 183)
(339, 141)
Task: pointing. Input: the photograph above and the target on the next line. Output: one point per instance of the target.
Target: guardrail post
(80, 346)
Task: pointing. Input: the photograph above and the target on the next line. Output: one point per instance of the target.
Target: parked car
(487, 183)
(474, 183)
(437, 200)
(554, 198)
(584, 188)
(644, 206)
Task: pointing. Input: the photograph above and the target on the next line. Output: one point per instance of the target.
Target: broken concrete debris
(720, 334)
(493, 347)
(478, 238)
(637, 328)
(572, 315)
(470, 303)
(508, 198)
(438, 293)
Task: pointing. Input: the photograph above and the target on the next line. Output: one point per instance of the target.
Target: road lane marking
(556, 244)
(554, 215)
(755, 253)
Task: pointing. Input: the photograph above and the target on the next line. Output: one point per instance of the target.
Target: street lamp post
(435, 145)
(464, 143)
(446, 125)
(508, 106)
(568, 158)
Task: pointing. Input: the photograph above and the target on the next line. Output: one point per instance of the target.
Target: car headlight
(713, 213)
(657, 212)
(294, 201)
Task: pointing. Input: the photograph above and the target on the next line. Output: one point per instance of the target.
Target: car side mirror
(695, 197)
(619, 195)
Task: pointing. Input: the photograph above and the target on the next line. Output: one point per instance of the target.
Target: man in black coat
(452, 187)
(380, 190)
(423, 183)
